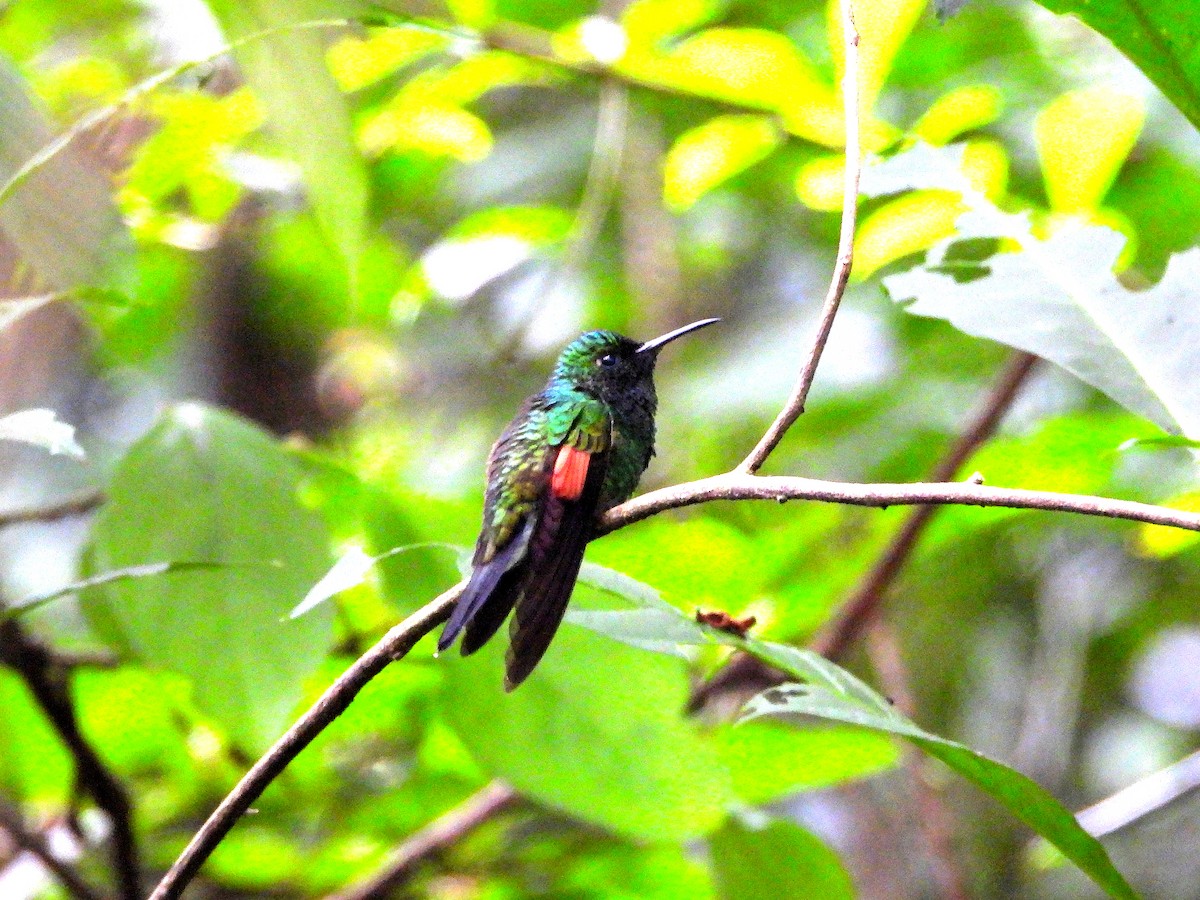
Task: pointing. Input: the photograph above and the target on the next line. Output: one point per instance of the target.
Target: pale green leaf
(41, 428)
(712, 153)
(205, 485)
(597, 731)
(771, 860)
(305, 108)
(1083, 139)
(61, 218)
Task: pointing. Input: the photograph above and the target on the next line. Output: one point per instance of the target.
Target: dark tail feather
(555, 554)
(487, 621)
(481, 587)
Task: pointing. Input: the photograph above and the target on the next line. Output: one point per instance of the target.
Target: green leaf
(1058, 298)
(62, 218)
(306, 110)
(34, 766)
(840, 696)
(831, 692)
(1161, 38)
(769, 760)
(712, 153)
(597, 732)
(351, 570)
(773, 860)
(205, 485)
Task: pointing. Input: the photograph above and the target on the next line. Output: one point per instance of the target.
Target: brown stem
(865, 602)
(443, 832)
(45, 679)
(74, 506)
(730, 486)
(845, 255)
(392, 646)
(32, 842)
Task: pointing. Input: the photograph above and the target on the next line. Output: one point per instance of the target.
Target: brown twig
(862, 605)
(845, 254)
(442, 832)
(32, 842)
(865, 602)
(73, 506)
(44, 678)
(392, 646)
(730, 486)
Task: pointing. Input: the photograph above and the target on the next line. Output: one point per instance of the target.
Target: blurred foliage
(313, 255)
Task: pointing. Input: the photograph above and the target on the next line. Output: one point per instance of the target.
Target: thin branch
(445, 831)
(856, 612)
(780, 488)
(38, 669)
(73, 506)
(1143, 797)
(392, 646)
(845, 254)
(32, 842)
(730, 486)
(862, 606)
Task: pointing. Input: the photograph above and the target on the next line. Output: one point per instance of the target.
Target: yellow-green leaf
(1083, 139)
(356, 62)
(714, 152)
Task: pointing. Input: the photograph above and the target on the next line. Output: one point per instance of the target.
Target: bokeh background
(289, 295)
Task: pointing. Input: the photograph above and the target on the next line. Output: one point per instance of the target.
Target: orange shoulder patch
(570, 472)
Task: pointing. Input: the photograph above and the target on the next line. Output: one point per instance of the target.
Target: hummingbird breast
(632, 446)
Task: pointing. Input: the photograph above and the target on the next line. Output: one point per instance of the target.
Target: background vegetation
(291, 266)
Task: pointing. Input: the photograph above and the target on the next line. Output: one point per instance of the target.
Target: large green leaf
(206, 487)
(62, 219)
(776, 859)
(597, 731)
(830, 692)
(1162, 38)
(305, 108)
(1057, 297)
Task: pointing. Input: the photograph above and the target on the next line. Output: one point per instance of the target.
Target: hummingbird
(574, 450)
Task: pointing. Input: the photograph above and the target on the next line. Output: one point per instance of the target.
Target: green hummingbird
(575, 450)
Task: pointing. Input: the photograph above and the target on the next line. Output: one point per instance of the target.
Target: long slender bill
(660, 342)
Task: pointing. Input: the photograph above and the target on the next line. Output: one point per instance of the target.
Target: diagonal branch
(38, 669)
(864, 603)
(32, 842)
(72, 506)
(392, 646)
(845, 255)
(730, 486)
(442, 832)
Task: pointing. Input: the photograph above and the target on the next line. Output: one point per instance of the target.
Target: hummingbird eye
(607, 361)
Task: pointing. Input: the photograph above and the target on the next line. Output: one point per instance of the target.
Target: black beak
(659, 342)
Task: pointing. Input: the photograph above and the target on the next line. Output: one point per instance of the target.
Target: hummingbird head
(609, 366)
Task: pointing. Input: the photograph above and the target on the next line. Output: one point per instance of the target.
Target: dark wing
(554, 554)
(518, 474)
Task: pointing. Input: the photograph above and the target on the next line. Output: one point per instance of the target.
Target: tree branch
(845, 254)
(392, 646)
(730, 486)
(782, 488)
(44, 678)
(442, 832)
(32, 842)
(864, 603)
(73, 506)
